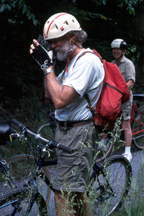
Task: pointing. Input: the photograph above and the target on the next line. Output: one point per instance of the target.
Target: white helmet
(119, 43)
(60, 24)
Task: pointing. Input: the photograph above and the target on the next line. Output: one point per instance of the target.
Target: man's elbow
(59, 104)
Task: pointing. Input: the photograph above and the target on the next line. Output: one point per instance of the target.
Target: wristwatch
(48, 70)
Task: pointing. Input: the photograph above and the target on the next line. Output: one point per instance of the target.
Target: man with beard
(82, 75)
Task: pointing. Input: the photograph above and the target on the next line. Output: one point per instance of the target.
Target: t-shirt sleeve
(130, 72)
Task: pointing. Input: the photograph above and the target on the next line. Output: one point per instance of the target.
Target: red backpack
(114, 93)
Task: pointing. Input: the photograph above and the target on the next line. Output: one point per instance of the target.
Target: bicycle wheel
(137, 126)
(17, 202)
(110, 183)
(22, 168)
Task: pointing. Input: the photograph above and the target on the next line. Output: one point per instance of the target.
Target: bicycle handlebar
(138, 96)
(51, 143)
(18, 124)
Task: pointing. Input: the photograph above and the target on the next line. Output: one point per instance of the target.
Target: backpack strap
(96, 53)
(89, 104)
(82, 55)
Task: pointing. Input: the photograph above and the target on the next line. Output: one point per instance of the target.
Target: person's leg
(128, 138)
(75, 204)
(62, 204)
(82, 207)
(127, 132)
(126, 113)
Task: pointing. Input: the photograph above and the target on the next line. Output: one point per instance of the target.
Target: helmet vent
(56, 26)
(59, 25)
(66, 22)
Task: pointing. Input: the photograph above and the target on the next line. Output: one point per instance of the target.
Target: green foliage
(129, 4)
(20, 5)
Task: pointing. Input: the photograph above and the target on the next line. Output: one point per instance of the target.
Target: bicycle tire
(107, 197)
(21, 197)
(22, 168)
(138, 139)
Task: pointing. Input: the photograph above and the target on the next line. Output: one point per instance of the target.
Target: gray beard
(64, 52)
(62, 56)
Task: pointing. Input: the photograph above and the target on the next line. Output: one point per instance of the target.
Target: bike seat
(4, 128)
(5, 131)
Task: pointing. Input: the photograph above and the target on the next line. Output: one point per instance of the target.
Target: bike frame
(135, 109)
(43, 163)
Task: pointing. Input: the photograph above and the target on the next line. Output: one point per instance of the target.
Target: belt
(70, 124)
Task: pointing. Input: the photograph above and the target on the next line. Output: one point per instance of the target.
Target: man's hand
(43, 57)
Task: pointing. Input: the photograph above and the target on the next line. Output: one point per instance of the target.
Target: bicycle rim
(22, 168)
(137, 126)
(109, 188)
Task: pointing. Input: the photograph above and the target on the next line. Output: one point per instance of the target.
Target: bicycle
(137, 124)
(109, 181)
(21, 183)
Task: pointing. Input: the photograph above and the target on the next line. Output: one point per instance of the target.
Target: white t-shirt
(86, 76)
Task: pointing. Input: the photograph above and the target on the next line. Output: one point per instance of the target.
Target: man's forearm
(60, 95)
(130, 83)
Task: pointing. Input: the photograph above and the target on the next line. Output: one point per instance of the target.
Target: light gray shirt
(85, 75)
(127, 70)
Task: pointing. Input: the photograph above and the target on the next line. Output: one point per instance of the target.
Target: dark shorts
(126, 110)
(72, 173)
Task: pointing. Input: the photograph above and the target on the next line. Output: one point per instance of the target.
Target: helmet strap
(68, 60)
(71, 42)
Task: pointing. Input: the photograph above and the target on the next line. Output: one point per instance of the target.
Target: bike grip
(64, 148)
(61, 147)
(18, 124)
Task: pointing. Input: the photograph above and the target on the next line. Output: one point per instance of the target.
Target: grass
(133, 205)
